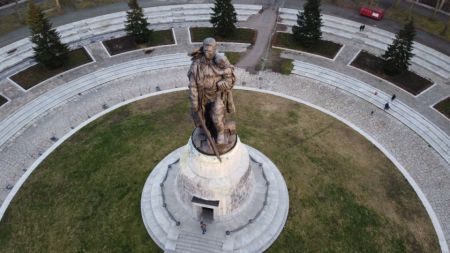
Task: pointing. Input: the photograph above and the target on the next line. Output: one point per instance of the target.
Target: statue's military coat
(203, 76)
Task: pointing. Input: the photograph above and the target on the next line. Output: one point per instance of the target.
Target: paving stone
(102, 83)
(425, 57)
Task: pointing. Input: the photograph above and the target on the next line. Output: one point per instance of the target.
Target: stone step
(198, 243)
(94, 28)
(418, 123)
(16, 121)
(200, 238)
(425, 57)
(198, 246)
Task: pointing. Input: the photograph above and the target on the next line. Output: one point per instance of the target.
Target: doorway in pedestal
(207, 214)
(204, 208)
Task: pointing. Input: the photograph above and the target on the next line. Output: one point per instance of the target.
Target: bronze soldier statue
(211, 78)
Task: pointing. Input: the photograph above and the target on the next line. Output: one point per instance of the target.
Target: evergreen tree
(397, 56)
(223, 18)
(136, 23)
(48, 48)
(307, 31)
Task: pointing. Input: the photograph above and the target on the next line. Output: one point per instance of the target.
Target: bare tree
(58, 6)
(17, 11)
(410, 9)
(442, 4)
(436, 7)
(373, 3)
(444, 31)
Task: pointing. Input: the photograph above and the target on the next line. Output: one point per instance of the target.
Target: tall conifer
(223, 18)
(136, 23)
(48, 49)
(397, 56)
(307, 31)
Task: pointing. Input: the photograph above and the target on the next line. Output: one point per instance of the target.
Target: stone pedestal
(245, 193)
(205, 182)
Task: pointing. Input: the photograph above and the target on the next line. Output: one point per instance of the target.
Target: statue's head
(221, 60)
(209, 48)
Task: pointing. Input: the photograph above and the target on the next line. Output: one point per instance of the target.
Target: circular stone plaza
(332, 168)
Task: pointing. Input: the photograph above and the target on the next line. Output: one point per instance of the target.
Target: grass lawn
(241, 35)
(345, 195)
(15, 20)
(85, 4)
(323, 48)
(233, 57)
(421, 22)
(10, 23)
(444, 107)
(127, 43)
(408, 80)
(3, 100)
(276, 63)
(37, 73)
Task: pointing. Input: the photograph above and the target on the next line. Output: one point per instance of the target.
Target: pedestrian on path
(376, 93)
(386, 106)
(361, 28)
(203, 227)
(393, 97)
(371, 113)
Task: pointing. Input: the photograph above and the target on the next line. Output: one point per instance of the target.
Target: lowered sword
(208, 134)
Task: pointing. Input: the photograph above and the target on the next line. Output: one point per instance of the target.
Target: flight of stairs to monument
(198, 243)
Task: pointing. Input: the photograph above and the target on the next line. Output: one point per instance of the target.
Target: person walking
(203, 227)
(361, 28)
(393, 97)
(386, 106)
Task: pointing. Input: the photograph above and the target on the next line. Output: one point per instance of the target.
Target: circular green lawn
(345, 195)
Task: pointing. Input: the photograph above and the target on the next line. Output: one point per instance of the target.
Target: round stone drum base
(253, 228)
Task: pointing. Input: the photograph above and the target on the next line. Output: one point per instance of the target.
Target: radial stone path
(264, 23)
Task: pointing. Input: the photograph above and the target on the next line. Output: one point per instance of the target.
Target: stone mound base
(252, 229)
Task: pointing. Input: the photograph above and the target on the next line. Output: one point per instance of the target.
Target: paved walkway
(423, 103)
(424, 168)
(428, 172)
(386, 24)
(430, 133)
(264, 23)
(19, 55)
(422, 37)
(373, 37)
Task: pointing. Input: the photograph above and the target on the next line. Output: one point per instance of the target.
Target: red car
(374, 13)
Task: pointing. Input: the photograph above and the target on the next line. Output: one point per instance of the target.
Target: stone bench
(26, 114)
(419, 124)
(366, 93)
(426, 57)
(82, 32)
(427, 54)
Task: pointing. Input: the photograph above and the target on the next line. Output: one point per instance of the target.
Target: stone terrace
(34, 122)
